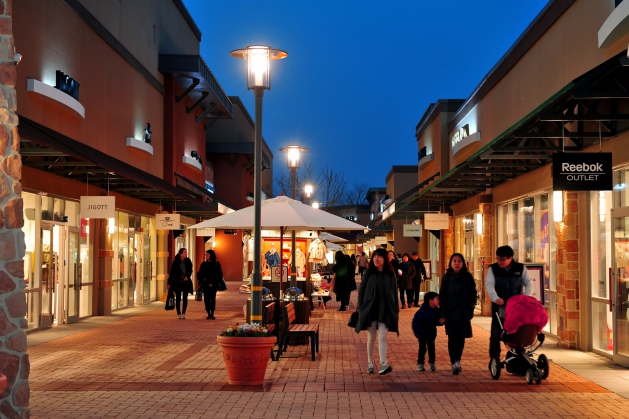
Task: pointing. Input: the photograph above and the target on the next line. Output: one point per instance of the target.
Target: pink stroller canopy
(522, 310)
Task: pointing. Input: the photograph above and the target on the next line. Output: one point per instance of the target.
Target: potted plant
(246, 352)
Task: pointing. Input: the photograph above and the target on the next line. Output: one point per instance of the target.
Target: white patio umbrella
(332, 246)
(331, 238)
(281, 212)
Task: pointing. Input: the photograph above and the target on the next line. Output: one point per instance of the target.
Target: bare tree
(329, 186)
(357, 195)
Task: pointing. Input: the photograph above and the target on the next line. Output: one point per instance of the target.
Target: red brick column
(14, 361)
(448, 246)
(568, 272)
(486, 252)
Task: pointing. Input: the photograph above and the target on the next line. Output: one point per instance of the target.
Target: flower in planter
(246, 330)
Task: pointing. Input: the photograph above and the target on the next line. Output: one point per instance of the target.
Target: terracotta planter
(246, 359)
(3, 382)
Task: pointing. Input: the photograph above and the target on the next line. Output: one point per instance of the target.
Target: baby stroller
(524, 319)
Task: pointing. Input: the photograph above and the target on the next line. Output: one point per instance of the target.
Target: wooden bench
(268, 321)
(291, 329)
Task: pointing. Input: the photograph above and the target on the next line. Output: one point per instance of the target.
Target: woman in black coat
(378, 308)
(457, 298)
(210, 273)
(341, 283)
(180, 280)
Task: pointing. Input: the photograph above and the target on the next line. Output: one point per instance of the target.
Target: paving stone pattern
(154, 365)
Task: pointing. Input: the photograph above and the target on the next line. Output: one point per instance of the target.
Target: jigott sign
(412, 230)
(582, 172)
(98, 206)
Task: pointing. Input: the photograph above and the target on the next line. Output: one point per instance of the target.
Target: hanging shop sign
(412, 230)
(379, 240)
(168, 221)
(438, 221)
(98, 206)
(206, 232)
(582, 172)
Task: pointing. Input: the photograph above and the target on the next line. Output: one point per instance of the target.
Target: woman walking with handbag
(209, 275)
(378, 308)
(179, 280)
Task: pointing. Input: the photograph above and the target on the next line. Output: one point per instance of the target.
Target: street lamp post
(293, 164)
(258, 80)
(308, 191)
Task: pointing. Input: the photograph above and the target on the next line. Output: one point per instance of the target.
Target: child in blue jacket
(425, 324)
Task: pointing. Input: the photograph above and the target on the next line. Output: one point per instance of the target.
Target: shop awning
(44, 149)
(568, 121)
(198, 82)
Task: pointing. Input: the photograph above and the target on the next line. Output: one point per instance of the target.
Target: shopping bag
(164, 297)
(199, 295)
(170, 301)
(222, 286)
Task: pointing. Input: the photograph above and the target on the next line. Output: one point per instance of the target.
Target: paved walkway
(146, 363)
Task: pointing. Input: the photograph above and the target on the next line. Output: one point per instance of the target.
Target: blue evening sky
(359, 74)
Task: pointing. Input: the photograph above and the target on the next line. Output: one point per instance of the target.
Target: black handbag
(222, 286)
(353, 319)
(170, 301)
(199, 294)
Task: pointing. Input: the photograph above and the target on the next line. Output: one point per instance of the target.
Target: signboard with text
(206, 232)
(438, 221)
(582, 172)
(412, 230)
(98, 207)
(168, 221)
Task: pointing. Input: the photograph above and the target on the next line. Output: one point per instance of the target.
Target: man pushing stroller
(505, 278)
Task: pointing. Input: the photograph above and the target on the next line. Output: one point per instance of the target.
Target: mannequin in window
(272, 257)
(300, 261)
(317, 251)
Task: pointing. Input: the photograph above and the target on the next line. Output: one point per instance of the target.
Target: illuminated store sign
(582, 172)
(67, 84)
(462, 138)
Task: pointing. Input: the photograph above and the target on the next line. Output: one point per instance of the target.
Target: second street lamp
(308, 191)
(292, 151)
(258, 79)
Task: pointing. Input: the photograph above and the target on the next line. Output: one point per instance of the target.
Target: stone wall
(568, 272)
(487, 252)
(14, 363)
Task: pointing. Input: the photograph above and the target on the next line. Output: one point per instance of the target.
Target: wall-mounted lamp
(147, 133)
(196, 156)
(557, 206)
(111, 226)
(479, 223)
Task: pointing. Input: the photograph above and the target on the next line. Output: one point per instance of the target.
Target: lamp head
(258, 69)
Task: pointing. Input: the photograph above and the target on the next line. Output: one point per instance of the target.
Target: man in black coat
(420, 276)
(505, 278)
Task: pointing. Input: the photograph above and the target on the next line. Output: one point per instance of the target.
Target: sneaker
(458, 365)
(178, 316)
(455, 369)
(420, 367)
(433, 367)
(183, 316)
(385, 369)
(370, 368)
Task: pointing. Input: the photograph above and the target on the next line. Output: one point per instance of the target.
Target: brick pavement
(155, 365)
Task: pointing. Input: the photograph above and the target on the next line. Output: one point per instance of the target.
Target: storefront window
(620, 197)
(31, 278)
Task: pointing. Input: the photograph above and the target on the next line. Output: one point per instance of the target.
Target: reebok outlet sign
(582, 172)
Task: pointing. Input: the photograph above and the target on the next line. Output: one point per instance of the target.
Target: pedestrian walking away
(351, 278)
(405, 281)
(340, 281)
(505, 278)
(457, 300)
(362, 264)
(378, 308)
(425, 323)
(420, 276)
(208, 277)
(180, 281)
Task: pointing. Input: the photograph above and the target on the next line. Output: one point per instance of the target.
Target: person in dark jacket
(210, 273)
(405, 281)
(420, 276)
(505, 278)
(378, 308)
(425, 323)
(457, 299)
(180, 280)
(341, 283)
(351, 279)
